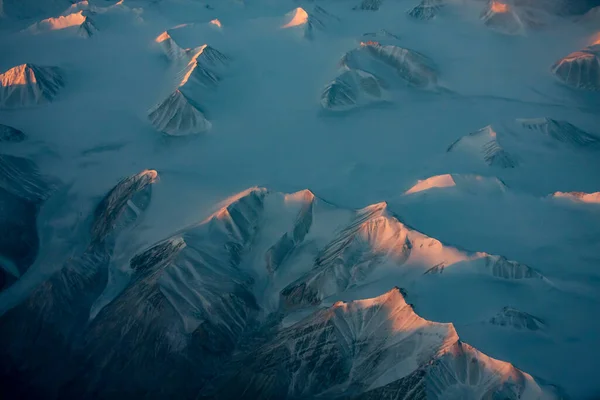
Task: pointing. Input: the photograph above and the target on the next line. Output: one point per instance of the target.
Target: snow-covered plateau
(300, 199)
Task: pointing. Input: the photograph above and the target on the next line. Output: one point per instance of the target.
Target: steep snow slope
(131, 323)
(177, 116)
(372, 348)
(28, 84)
(484, 144)
(580, 69)
(308, 22)
(409, 66)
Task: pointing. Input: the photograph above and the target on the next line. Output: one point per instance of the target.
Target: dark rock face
(8, 134)
(50, 324)
(23, 190)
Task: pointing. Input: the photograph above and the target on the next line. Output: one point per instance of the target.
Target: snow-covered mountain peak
(123, 204)
(58, 23)
(206, 66)
(503, 18)
(484, 145)
(308, 20)
(438, 181)
(580, 69)
(392, 63)
(177, 115)
(29, 84)
(579, 196)
(463, 182)
(296, 17)
(303, 197)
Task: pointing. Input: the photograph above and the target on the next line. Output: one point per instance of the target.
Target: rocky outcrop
(561, 131)
(510, 317)
(8, 134)
(426, 10)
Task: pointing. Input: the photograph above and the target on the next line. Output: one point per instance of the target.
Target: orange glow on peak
(162, 37)
(216, 23)
(151, 174)
(297, 17)
(369, 43)
(596, 39)
(498, 7)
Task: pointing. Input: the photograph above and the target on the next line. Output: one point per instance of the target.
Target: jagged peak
(216, 23)
(579, 196)
(119, 198)
(501, 267)
(222, 206)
